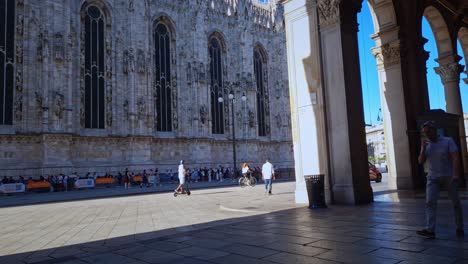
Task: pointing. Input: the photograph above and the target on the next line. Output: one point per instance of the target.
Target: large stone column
(449, 71)
(306, 94)
(343, 93)
(394, 111)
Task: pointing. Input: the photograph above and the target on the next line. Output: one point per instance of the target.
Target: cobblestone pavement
(227, 225)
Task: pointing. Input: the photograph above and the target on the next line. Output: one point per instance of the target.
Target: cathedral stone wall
(48, 134)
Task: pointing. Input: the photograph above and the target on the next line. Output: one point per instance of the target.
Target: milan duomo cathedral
(101, 85)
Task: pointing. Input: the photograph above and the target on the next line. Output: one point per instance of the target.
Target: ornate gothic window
(7, 60)
(216, 76)
(162, 44)
(260, 69)
(94, 67)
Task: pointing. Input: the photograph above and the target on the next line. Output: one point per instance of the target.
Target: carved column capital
(329, 12)
(388, 54)
(449, 72)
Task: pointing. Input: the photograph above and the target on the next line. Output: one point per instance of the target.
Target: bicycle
(247, 180)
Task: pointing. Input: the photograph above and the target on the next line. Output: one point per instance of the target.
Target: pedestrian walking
(268, 175)
(126, 178)
(440, 158)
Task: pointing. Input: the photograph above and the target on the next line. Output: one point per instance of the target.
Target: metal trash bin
(315, 185)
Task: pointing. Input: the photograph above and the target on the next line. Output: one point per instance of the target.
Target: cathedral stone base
(35, 155)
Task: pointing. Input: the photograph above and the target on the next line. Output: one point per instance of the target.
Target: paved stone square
(227, 225)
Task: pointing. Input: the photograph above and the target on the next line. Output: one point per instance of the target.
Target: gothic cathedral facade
(100, 85)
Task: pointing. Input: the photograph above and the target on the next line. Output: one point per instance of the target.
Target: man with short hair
(440, 157)
(182, 174)
(267, 175)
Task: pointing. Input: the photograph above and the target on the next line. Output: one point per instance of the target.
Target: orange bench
(38, 186)
(104, 181)
(138, 178)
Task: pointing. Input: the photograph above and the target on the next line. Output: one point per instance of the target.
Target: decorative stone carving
(141, 67)
(131, 6)
(19, 80)
(175, 118)
(82, 102)
(450, 72)
(18, 108)
(59, 105)
(387, 55)
(329, 12)
(109, 114)
(108, 44)
(59, 50)
(19, 53)
(19, 24)
(203, 114)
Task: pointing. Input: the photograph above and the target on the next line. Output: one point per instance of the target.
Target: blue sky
(370, 83)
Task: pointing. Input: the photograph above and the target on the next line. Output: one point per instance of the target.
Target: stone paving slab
(196, 229)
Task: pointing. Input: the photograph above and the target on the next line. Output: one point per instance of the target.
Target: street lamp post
(232, 100)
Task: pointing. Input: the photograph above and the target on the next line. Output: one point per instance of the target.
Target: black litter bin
(316, 190)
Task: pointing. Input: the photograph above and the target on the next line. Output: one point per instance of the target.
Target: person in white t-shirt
(182, 173)
(268, 175)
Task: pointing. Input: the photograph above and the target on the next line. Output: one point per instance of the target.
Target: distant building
(375, 139)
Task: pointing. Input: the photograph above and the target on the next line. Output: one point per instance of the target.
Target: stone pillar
(343, 92)
(450, 75)
(306, 94)
(449, 71)
(394, 113)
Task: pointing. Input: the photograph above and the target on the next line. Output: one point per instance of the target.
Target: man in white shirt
(267, 175)
(181, 177)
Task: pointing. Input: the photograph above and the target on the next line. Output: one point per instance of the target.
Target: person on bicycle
(246, 170)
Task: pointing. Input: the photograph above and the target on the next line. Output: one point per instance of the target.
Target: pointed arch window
(162, 42)
(94, 67)
(7, 60)
(260, 69)
(216, 77)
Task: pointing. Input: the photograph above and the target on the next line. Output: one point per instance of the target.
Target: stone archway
(440, 30)
(449, 70)
(388, 57)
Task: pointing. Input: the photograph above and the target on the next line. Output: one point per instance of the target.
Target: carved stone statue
(59, 105)
(125, 108)
(59, 50)
(128, 61)
(203, 114)
(201, 72)
(141, 67)
(40, 48)
(39, 100)
(141, 108)
(251, 119)
(278, 121)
